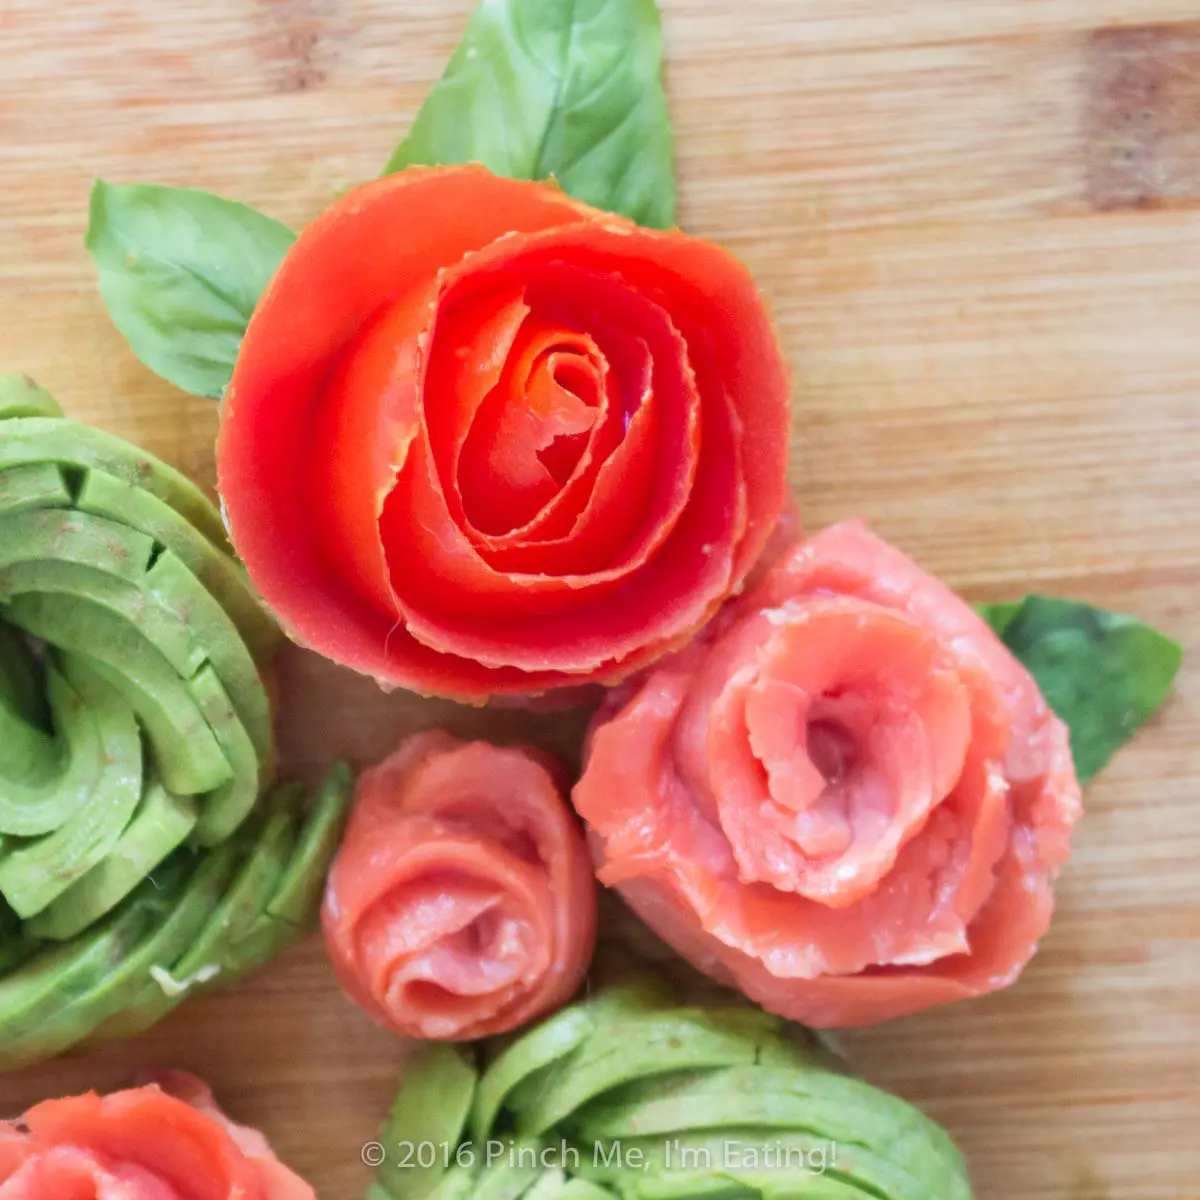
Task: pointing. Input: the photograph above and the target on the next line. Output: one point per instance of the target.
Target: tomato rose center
(543, 410)
(530, 431)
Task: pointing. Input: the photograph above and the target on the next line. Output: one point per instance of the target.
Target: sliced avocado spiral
(199, 920)
(631, 1095)
(145, 673)
(120, 565)
(137, 863)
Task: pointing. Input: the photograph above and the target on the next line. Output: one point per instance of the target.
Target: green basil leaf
(999, 616)
(181, 271)
(569, 89)
(1104, 673)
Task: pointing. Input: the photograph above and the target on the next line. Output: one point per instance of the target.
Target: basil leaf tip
(1104, 673)
(563, 89)
(180, 271)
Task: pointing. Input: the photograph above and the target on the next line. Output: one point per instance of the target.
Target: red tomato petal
(308, 315)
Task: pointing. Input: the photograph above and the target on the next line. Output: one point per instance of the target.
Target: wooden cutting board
(979, 224)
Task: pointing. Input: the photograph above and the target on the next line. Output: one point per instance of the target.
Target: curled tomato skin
(482, 439)
(164, 1141)
(462, 902)
(846, 798)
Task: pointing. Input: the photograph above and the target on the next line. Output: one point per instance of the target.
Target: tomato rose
(848, 799)
(167, 1142)
(482, 438)
(462, 902)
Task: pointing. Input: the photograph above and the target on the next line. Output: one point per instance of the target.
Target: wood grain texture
(979, 226)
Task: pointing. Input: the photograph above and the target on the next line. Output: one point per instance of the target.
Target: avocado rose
(848, 798)
(164, 1141)
(630, 1095)
(136, 862)
(484, 439)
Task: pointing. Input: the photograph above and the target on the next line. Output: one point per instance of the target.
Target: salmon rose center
(834, 746)
(438, 944)
(460, 902)
(72, 1173)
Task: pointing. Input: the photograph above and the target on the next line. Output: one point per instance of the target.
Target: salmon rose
(462, 901)
(484, 439)
(161, 1142)
(848, 799)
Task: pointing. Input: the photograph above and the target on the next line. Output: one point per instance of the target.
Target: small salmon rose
(848, 798)
(484, 439)
(462, 901)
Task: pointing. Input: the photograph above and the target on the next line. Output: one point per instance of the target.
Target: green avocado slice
(840, 1109)
(266, 938)
(510, 1175)
(298, 896)
(179, 592)
(459, 1183)
(179, 919)
(295, 904)
(715, 1185)
(75, 537)
(231, 801)
(56, 977)
(34, 487)
(514, 1170)
(579, 1189)
(36, 873)
(166, 604)
(127, 600)
(431, 1109)
(235, 943)
(264, 846)
(227, 806)
(663, 1102)
(627, 1047)
(81, 447)
(645, 995)
(774, 1097)
(14, 951)
(779, 1162)
(28, 753)
(210, 562)
(28, 809)
(160, 825)
(21, 397)
(127, 484)
(555, 1184)
(186, 752)
(542, 1046)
